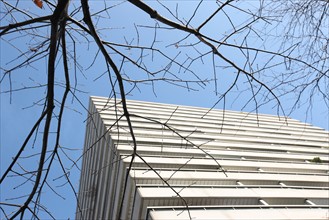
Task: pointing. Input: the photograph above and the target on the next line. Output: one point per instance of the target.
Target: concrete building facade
(192, 163)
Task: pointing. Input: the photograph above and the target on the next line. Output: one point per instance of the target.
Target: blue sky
(17, 116)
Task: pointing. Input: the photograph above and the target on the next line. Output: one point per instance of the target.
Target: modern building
(196, 163)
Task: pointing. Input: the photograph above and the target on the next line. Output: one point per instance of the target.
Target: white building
(275, 168)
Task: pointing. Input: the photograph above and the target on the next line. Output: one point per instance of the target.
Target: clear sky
(19, 110)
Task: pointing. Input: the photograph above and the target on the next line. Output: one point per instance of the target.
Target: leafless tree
(263, 51)
(306, 28)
